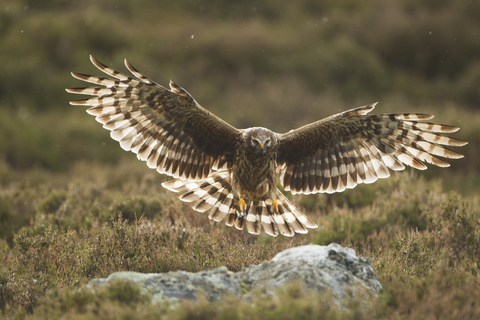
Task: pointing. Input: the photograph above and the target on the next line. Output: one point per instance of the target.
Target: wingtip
(97, 63)
(80, 76)
(129, 66)
(363, 110)
(83, 102)
(73, 90)
(369, 107)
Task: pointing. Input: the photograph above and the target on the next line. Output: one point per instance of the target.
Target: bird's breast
(251, 172)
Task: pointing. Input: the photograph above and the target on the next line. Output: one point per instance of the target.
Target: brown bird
(232, 172)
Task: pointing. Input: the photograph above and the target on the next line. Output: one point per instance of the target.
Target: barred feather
(215, 194)
(353, 147)
(159, 125)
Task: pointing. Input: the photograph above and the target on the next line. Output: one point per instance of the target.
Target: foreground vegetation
(74, 206)
(424, 243)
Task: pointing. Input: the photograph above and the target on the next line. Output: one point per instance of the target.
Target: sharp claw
(242, 209)
(275, 206)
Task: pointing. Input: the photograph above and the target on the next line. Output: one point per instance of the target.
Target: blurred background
(278, 64)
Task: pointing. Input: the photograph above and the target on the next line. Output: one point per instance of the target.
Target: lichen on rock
(319, 268)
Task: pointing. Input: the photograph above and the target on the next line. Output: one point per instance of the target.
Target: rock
(179, 285)
(318, 267)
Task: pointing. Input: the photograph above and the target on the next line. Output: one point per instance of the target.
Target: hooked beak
(262, 148)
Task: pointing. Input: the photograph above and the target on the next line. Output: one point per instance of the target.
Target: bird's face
(261, 140)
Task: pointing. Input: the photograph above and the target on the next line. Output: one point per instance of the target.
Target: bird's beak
(262, 147)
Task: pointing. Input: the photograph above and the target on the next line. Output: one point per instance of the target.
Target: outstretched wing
(166, 128)
(352, 147)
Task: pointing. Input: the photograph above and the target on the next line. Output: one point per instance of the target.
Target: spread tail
(215, 194)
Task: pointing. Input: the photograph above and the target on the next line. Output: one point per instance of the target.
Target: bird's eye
(255, 142)
(267, 142)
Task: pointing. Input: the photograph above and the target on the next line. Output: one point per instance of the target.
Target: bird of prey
(233, 172)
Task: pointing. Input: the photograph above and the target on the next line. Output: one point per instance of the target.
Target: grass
(423, 241)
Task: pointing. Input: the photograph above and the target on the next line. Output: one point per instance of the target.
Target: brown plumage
(232, 172)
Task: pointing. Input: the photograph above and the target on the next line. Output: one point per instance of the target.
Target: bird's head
(260, 140)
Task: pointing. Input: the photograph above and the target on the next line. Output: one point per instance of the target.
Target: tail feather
(215, 194)
(232, 217)
(239, 223)
(253, 219)
(221, 209)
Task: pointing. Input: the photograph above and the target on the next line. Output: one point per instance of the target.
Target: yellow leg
(242, 204)
(275, 206)
(242, 208)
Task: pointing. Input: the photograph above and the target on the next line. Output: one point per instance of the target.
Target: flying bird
(233, 172)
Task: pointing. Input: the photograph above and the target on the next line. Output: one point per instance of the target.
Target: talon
(242, 208)
(242, 204)
(275, 206)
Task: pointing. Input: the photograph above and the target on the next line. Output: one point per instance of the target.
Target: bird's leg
(275, 206)
(242, 208)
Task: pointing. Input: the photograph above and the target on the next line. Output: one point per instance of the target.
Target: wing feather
(163, 127)
(354, 147)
